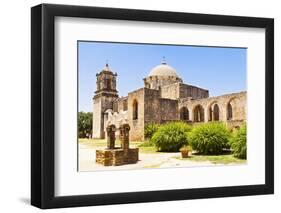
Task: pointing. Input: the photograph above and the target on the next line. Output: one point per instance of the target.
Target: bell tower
(103, 99)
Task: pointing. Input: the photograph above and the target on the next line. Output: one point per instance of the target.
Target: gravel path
(160, 160)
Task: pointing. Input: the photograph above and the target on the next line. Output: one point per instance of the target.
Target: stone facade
(163, 98)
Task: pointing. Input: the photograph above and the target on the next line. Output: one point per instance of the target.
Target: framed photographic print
(139, 106)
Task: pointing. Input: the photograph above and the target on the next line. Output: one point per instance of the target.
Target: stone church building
(164, 97)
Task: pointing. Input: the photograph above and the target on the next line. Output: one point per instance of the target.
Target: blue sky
(221, 70)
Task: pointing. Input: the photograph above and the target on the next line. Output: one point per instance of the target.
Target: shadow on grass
(225, 152)
(224, 158)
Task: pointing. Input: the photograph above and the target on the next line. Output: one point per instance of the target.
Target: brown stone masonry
(112, 156)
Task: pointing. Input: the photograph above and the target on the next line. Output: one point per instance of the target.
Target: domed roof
(163, 70)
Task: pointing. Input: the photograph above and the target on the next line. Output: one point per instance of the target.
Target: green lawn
(99, 143)
(216, 159)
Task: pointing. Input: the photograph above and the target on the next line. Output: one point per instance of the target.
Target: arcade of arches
(228, 110)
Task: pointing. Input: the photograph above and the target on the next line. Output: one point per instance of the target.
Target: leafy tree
(85, 120)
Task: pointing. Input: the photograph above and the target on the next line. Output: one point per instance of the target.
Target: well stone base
(117, 157)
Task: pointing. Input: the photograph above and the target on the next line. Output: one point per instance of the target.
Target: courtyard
(149, 157)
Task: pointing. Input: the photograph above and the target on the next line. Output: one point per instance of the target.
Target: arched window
(216, 111)
(198, 114)
(229, 111)
(135, 110)
(184, 114)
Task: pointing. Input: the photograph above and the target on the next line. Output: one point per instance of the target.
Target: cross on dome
(163, 60)
(106, 68)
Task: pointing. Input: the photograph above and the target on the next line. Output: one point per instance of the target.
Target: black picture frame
(43, 105)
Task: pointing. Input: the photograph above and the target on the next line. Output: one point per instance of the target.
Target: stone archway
(230, 109)
(229, 112)
(198, 113)
(184, 114)
(214, 112)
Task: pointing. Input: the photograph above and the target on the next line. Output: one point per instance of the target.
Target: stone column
(206, 112)
(124, 136)
(110, 136)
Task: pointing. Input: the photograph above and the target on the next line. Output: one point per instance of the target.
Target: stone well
(116, 156)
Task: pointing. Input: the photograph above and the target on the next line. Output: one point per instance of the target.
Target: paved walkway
(87, 158)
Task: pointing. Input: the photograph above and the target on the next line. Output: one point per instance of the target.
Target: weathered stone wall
(238, 103)
(120, 104)
(170, 91)
(155, 82)
(157, 109)
(186, 90)
(151, 106)
(169, 110)
(180, 90)
(137, 125)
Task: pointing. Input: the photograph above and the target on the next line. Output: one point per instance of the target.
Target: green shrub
(210, 138)
(239, 143)
(150, 129)
(170, 137)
